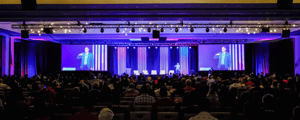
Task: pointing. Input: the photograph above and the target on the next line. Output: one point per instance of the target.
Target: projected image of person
(297, 66)
(224, 59)
(87, 60)
(177, 68)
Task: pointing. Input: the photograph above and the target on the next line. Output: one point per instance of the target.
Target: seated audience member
(163, 101)
(296, 113)
(210, 80)
(131, 91)
(105, 94)
(2, 85)
(49, 91)
(188, 87)
(268, 102)
(179, 100)
(105, 114)
(40, 112)
(204, 106)
(212, 96)
(85, 113)
(157, 92)
(116, 106)
(275, 84)
(144, 97)
(95, 92)
(234, 85)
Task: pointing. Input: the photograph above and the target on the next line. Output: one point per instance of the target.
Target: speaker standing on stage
(224, 59)
(177, 66)
(87, 60)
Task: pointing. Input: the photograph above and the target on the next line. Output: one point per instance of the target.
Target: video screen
(84, 58)
(221, 57)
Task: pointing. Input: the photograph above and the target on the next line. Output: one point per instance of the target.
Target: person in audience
(85, 113)
(188, 87)
(131, 91)
(2, 85)
(213, 97)
(179, 100)
(105, 114)
(49, 92)
(268, 102)
(144, 97)
(157, 92)
(174, 88)
(234, 84)
(210, 80)
(204, 106)
(163, 101)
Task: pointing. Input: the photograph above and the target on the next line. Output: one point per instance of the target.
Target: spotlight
(190, 47)
(207, 29)
(149, 29)
(176, 29)
(132, 30)
(84, 30)
(225, 29)
(117, 30)
(102, 30)
(192, 29)
(162, 30)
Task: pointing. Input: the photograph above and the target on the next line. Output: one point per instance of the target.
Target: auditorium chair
(142, 108)
(98, 108)
(218, 115)
(60, 116)
(119, 116)
(128, 98)
(167, 116)
(141, 115)
(126, 103)
(166, 109)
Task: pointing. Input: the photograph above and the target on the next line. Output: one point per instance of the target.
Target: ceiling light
(39, 31)
(192, 29)
(42, 28)
(102, 30)
(126, 34)
(248, 33)
(70, 30)
(225, 29)
(271, 30)
(84, 30)
(256, 29)
(40, 34)
(149, 30)
(237, 30)
(176, 29)
(213, 28)
(133, 30)
(125, 28)
(220, 31)
(162, 30)
(294, 25)
(254, 32)
(275, 30)
(148, 47)
(86, 23)
(117, 30)
(207, 29)
(180, 28)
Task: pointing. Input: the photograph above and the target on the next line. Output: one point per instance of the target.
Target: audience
(105, 114)
(204, 106)
(144, 97)
(188, 87)
(163, 101)
(85, 113)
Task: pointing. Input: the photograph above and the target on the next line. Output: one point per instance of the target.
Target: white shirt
(203, 116)
(223, 59)
(85, 59)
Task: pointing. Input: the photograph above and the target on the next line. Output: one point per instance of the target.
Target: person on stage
(87, 60)
(177, 70)
(224, 59)
(210, 71)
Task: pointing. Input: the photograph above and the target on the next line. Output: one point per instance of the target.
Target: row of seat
(146, 115)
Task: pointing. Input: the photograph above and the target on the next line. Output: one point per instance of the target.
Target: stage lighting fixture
(225, 29)
(176, 29)
(102, 30)
(286, 22)
(132, 30)
(84, 30)
(117, 30)
(192, 29)
(231, 22)
(149, 29)
(207, 29)
(162, 30)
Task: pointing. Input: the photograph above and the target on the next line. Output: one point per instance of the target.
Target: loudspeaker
(28, 4)
(48, 30)
(265, 30)
(24, 34)
(155, 34)
(284, 4)
(285, 33)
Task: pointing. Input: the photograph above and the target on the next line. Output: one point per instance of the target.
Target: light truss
(153, 26)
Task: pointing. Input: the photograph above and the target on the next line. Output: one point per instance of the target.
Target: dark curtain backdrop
(193, 59)
(270, 57)
(112, 56)
(173, 58)
(282, 57)
(1, 55)
(153, 62)
(37, 57)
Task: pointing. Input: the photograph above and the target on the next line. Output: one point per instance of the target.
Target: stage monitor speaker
(162, 39)
(265, 30)
(48, 30)
(284, 4)
(155, 34)
(285, 33)
(145, 39)
(24, 34)
(28, 4)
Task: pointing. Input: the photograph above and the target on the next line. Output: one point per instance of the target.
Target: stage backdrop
(159, 59)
